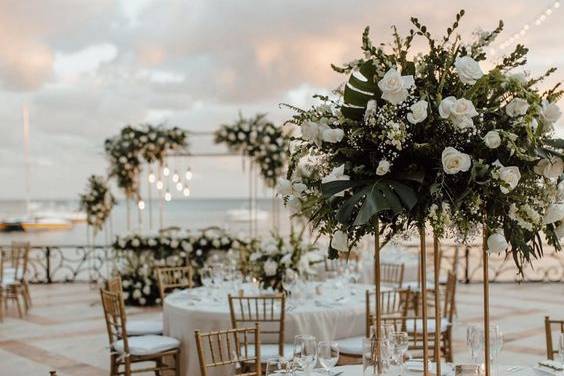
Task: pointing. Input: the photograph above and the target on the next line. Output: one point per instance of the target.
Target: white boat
(33, 223)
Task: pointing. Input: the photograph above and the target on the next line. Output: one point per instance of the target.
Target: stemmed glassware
(305, 352)
(475, 342)
(278, 366)
(328, 355)
(400, 344)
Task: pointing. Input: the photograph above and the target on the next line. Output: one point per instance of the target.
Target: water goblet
(305, 352)
(328, 355)
(278, 366)
(400, 344)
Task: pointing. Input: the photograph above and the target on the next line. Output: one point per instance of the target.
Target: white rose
(339, 241)
(293, 203)
(492, 139)
(310, 131)
(509, 175)
(307, 165)
(332, 135)
(284, 187)
(559, 230)
(517, 107)
(550, 112)
(497, 243)
(468, 70)
(455, 161)
(394, 86)
(371, 105)
(459, 111)
(550, 168)
(560, 188)
(383, 167)
(135, 243)
(554, 213)
(418, 112)
(270, 267)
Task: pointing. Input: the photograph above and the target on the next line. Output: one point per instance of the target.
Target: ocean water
(187, 214)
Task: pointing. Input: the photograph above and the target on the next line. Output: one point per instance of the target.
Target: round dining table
(329, 310)
(446, 370)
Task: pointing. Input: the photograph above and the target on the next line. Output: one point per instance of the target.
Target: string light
(538, 20)
(166, 171)
(152, 178)
(160, 185)
(167, 196)
(141, 204)
(188, 174)
(179, 186)
(186, 191)
(175, 177)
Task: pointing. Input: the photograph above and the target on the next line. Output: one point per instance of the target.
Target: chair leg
(2, 298)
(177, 364)
(16, 294)
(27, 295)
(113, 366)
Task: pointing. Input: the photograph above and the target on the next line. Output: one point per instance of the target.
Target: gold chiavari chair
(230, 348)
(134, 327)
(392, 275)
(270, 313)
(14, 276)
(126, 351)
(413, 325)
(170, 279)
(551, 326)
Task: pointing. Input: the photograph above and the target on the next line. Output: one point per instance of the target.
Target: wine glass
(400, 344)
(278, 366)
(305, 352)
(328, 355)
(206, 277)
(471, 332)
(561, 348)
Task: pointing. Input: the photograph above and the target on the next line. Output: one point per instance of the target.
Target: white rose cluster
(459, 111)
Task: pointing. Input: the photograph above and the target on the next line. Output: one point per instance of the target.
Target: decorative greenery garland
(97, 202)
(432, 139)
(259, 139)
(139, 257)
(150, 143)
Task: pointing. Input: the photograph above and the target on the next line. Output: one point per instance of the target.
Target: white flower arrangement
(97, 202)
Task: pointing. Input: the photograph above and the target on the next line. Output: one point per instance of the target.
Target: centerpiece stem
(423, 273)
(377, 279)
(486, 300)
(437, 269)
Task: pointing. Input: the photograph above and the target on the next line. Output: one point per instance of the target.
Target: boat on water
(33, 224)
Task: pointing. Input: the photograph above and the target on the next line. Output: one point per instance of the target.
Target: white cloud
(68, 66)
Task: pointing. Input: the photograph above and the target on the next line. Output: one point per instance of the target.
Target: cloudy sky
(85, 68)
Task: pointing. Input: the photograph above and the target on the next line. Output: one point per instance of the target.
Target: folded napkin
(552, 364)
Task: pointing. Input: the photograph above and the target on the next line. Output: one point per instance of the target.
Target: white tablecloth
(501, 370)
(392, 254)
(339, 312)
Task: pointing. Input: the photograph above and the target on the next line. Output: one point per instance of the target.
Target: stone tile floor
(65, 329)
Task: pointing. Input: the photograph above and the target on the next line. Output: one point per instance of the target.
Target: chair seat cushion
(350, 346)
(416, 325)
(143, 327)
(270, 350)
(147, 345)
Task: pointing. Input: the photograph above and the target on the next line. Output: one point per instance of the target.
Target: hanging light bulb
(186, 191)
(175, 177)
(167, 196)
(141, 204)
(160, 185)
(179, 186)
(188, 174)
(166, 170)
(557, 5)
(152, 178)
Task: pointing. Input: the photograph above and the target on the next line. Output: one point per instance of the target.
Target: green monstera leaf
(360, 88)
(375, 197)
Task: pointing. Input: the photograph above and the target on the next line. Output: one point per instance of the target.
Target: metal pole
(437, 269)
(423, 274)
(377, 279)
(161, 204)
(150, 203)
(251, 199)
(486, 300)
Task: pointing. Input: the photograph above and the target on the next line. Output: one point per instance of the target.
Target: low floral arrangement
(432, 138)
(271, 260)
(259, 139)
(133, 145)
(139, 256)
(97, 202)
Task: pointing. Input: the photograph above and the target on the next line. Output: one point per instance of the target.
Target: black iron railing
(82, 263)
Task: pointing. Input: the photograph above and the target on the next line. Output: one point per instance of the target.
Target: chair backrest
(114, 314)
(392, 274)
(231, 347)
(269, 311)
(551, 326)
(173, 278)
(113, 284)
(393, 303)
(18, 259)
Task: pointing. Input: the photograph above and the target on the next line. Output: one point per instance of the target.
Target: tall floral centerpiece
(97, 202)
(432, 138)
